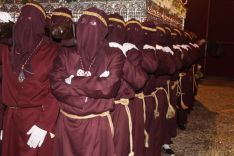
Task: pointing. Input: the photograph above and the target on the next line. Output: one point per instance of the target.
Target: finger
(29, 141)
(30, 131)
(35, 143)
(32, 143)
(41, 142)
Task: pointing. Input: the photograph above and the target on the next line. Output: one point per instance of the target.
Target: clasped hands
(81, 72)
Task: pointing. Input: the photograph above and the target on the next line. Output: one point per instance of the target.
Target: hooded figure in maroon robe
(62, 29)
(134, 45)
(31, 108)
(171, 124)
(86, 80)
(183, 106)
(157, 102)
(6, 26)
(151, 124)
(117, 30)
(133, 79)
(189, 84)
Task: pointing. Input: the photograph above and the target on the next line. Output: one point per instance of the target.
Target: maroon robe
(87, 95)
(186, 61)
(2, 108)
(155, 125)
(149, 65)
(171, 124)
(95, 133)
(28, 103)
(133, 79)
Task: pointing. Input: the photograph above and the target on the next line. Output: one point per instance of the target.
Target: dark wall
(220, 31)
(197, 14)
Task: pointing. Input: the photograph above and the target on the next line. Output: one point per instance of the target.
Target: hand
(106, 73)
(37, 137)
(201, 42)
(68, 80)
(5, 17)
(81, 72)
(158, 47)
(184, 47)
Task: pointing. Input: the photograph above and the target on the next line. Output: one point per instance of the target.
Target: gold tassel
(146, 139)
(131, 154)
(170, 112)
(174, 85)
(183, 105)
(156, 112)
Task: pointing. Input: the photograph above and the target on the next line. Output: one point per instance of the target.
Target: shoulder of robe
(129, 46)
(168, 50)
(194, 45)
(115, 50)
(116, 45)
(149, 47)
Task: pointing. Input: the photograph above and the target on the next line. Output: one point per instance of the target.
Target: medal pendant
(21, 77)
(86, 99)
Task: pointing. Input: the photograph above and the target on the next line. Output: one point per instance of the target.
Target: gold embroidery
(148, 28)
(96, 15)
(187, 34)
(133, 22)
(178, 31)
(161, 29)
(168, 29)
(61, 14)
(38, 7)
(117, 20)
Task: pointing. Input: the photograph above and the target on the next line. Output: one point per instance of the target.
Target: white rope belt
(107, 114)
(125, 103)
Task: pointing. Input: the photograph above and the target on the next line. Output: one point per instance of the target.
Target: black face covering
(62, 30)
(6, 30)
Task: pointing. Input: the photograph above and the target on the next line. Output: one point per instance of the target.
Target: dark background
(214, 19)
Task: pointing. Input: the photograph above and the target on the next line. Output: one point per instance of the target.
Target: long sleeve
(106, 87)
(149, 61)
(58, 75)
(49, 113)
(134, 74)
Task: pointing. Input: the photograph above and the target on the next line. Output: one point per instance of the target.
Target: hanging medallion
(21, 77)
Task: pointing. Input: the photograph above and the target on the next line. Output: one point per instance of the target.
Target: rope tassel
(179, 91)
(170, 111)
(125, 103)
(142, 97)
